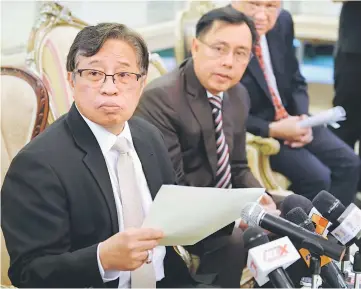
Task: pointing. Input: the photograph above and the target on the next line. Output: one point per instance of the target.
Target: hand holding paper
(331, 117)
(187, 215)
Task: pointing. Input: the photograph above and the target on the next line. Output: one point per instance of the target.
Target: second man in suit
(201, 109)
(312, 159)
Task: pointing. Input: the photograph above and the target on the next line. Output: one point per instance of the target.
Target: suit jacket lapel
(146, 157)
(256, 70)
(94, 160)
(199, 104)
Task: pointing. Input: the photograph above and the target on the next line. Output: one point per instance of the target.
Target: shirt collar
(106, 139)
(219, 94)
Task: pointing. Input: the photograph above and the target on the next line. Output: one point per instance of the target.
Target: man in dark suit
(347, 74)
(201, 109)
(313, 159)
(74, 199)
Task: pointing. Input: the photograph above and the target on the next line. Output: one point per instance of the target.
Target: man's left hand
(303, 140)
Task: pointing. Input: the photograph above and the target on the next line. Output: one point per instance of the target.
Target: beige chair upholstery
(24, 113)
(185, 26)
(156, 67)
(48, 47)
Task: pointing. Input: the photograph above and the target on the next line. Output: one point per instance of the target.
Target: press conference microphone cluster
(254, 215)
(346, 226)
(334, 221)
(321, 267)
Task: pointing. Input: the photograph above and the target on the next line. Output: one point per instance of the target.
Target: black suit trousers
(348, 95)
(327, 163)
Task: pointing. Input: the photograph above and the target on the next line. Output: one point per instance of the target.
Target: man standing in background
(348, 74)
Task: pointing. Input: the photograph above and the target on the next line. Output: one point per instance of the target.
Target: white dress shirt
(268, 66)
(219, 94)
(106, 140)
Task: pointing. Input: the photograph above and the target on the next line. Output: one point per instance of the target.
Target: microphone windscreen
(250, 214)
(300, 218)
(330, 207)
(254, 237)
(293, 201)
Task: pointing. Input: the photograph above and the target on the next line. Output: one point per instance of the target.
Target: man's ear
(71, 79)
(195, 46)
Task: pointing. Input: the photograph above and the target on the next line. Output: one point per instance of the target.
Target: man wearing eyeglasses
(201, 109)
(313, 159)
(74, 199)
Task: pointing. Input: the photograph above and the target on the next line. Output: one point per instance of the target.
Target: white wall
(17, 18)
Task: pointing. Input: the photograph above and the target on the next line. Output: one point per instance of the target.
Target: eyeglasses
(99, 77)
(219, 50)
(255, 6)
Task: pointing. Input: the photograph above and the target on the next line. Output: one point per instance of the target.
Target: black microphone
(332, 209)
(254, 215)
(254, 237)
(294, 201)
(330, 273)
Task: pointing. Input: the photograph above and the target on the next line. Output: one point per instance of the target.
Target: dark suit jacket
(291, 84)
(177, 104)
(58, 204)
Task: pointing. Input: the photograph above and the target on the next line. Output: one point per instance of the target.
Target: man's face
(221, 55)
(98, 98)
(263, 12)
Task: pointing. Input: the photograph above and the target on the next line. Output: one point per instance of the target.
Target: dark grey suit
(58, 204)
(177, 104)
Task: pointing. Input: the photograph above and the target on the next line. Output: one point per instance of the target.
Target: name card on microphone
(320, 222)
(263, 259)
(350, 225)
(306, 255)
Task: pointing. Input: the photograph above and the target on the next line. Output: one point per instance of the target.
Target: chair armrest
(266, 148)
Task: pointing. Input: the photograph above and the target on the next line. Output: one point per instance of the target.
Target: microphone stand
(316, 252)
(315, 267)
(357, 269)
(345, 259)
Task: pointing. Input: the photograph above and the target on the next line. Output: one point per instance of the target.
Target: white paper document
(187, 215)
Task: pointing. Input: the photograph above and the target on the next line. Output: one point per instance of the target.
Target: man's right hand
(288, 129)
(128, 250)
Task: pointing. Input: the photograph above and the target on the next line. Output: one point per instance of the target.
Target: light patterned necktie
(223, 175)
(280, 111)
(133, 214)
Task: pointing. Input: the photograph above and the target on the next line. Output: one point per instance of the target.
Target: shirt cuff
(108, 275)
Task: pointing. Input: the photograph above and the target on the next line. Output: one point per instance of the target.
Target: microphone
(322, 224)
(254, 215)
(267, 260)
(329, 271)
(347, 225)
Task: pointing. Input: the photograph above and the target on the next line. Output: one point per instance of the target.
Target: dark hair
(226, 14)
(91, 39)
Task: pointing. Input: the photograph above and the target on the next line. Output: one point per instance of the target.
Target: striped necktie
(223, 175)
(280, 111)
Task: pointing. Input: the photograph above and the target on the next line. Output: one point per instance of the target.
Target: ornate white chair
(185, 26)
(48, 47)
(24, 113)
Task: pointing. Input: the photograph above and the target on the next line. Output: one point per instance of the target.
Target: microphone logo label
(275, 253)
